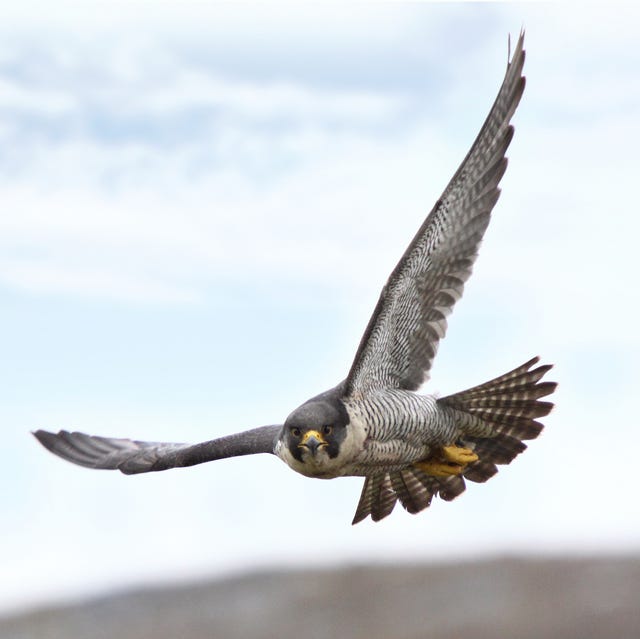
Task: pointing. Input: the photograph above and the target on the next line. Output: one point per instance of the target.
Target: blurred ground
(511, 598)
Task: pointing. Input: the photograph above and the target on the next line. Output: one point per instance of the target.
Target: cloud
(164, 174)
(156, 174)
(142, 179)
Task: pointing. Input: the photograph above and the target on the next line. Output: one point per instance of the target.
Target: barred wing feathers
(402, 337)
(413, 488)
(511, 404)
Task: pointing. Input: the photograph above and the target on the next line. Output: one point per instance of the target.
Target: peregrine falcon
(407, 446)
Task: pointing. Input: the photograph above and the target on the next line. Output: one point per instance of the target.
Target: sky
(200, 204)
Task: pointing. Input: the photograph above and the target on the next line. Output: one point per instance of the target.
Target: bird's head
(314, 432)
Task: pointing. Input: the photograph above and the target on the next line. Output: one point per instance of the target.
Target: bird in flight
(409, 447)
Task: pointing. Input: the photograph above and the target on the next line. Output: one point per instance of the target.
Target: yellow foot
(458, 455)
(450, 460)
(439, 468)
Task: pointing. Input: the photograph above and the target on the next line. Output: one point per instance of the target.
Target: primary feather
(410, 319)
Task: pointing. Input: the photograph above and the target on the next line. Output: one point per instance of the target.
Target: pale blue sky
(199, 207)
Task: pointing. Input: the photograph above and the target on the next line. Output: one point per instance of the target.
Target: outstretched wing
(402, 337)
(133, 457)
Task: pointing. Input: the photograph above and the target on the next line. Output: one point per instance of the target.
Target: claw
(459, 455)
(452, 460)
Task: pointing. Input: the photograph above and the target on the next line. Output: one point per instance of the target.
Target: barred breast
(398, 428)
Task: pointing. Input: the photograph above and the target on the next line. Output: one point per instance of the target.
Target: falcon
(409, 447)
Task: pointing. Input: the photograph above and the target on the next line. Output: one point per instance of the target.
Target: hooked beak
(312, 440)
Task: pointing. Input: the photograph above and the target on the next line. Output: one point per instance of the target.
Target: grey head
(316, 428)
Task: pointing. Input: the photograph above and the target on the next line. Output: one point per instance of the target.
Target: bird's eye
(295, 432)
(327, 430)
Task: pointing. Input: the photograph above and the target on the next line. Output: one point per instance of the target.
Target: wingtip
(519, 42)
(51, 441)
(45, 437)
(519, 54)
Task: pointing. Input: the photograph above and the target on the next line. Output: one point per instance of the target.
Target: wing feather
(131, 457)
(410, 319)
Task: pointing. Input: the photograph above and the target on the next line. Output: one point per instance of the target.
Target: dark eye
(327, 430)
(295, 432)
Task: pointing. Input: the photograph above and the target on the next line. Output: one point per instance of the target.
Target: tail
(505, 411)
(508, 405)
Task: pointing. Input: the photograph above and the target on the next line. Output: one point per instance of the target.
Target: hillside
(518, 599)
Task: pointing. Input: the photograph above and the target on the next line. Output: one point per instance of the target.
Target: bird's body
(386, 430)
(401, 427)
(408, 446)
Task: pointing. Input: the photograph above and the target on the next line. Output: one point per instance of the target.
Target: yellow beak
(312, 440)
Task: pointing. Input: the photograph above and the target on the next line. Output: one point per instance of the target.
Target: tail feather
(519, 427)
(413, 488)
(499, 414)
(515, 379)
(506, 407)
(480, 471)
(509, 405)
(377, 499)
(502, 449)
(385, 500)
(524, 403)
(509, 401)
(412, 493)
(509, 382)
(451, 487)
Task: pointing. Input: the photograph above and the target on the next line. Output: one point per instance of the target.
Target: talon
(459, 455)
(451, 460)
(439, 468)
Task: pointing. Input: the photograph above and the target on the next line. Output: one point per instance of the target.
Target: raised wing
(410, 319)
(131, 457)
